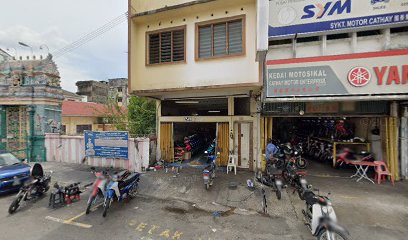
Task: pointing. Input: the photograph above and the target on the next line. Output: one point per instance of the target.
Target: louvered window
(220, 39)
(166, 47)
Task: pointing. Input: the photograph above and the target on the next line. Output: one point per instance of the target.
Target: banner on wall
(349, 74)
(106, 144)
(290, 17)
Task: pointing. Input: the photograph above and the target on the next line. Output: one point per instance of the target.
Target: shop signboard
(106, 144)
(350, 74)
(290, 17)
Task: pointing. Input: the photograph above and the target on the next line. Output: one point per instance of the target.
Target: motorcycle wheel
(133, 192)
(207, 186)
(300, 193)
(90, 201)
(264, 204)
(301, 163)
(106, 207)
(338, 235)
(278, 194)
(15, 204)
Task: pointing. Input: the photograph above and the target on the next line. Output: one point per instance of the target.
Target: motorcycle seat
(210, 167)
(130, 178)
(31, 181)
(122, 174)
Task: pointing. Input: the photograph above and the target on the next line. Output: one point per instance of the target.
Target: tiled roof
(85, 109)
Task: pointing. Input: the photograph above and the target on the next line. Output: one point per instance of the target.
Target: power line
(91, 35)
(97, 31)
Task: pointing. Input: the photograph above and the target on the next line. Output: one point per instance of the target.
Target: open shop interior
(323, 141)
(193, 142)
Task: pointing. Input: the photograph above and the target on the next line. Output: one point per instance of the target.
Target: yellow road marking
(71, 220)
(82, 225)
(83, 213)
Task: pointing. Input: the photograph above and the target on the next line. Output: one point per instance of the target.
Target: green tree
(141, 116)
(115, 114)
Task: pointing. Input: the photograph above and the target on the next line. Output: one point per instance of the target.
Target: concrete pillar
(158, 116)
(231, 122)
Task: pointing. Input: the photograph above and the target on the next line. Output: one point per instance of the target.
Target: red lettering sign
(394, 75)
(380, 74)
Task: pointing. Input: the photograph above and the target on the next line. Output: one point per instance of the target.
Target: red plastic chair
(381, 171)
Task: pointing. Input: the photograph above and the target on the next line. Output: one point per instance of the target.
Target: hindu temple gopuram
(30, 105)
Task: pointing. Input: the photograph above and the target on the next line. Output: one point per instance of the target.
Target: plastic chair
(232, 163)
(381, 170)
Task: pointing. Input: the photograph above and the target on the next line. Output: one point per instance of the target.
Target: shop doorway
(323, 138)
(191, 140)
(243, 142)
(187, 142)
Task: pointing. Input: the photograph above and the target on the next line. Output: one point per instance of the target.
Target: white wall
(71, 149)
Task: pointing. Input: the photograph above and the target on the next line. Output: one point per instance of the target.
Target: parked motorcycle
(272, 178)
(98, 188)
(296, 152)
(122, 185)
(348, 155)
(35, 187)
(321, 218)
(209, 171)
(295, 178)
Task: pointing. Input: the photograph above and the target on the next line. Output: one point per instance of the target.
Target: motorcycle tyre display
(322, 235)
(15, 204)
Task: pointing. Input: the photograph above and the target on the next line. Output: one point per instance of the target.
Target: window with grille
(166, 46)
(220, 39)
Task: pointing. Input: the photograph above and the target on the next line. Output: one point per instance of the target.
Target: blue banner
(335, 25)
(107, 144)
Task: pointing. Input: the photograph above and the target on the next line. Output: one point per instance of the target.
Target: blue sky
(58, 23)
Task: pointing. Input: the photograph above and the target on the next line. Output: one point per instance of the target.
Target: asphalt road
(140, 218)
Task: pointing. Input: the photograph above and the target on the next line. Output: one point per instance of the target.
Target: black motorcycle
(272, 178)
(295, 178)
(296, 152)
(35, 187)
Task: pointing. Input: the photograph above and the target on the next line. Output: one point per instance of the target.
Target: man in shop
(270, 150)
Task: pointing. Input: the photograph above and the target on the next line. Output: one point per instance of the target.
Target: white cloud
(59, 23)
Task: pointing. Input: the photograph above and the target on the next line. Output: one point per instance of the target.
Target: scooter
(122, 185)
(35, 187)
(98, 188)
(209, 171)
(321, 218)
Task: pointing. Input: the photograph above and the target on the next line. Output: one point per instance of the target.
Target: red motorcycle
(348, 155)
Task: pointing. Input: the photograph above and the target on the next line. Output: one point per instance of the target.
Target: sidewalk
(368, 211)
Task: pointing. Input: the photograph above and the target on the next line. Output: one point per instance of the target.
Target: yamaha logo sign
(359, 76)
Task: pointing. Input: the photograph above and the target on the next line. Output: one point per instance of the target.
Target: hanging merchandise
(178, 152)
(194, 143)
(376, 129)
